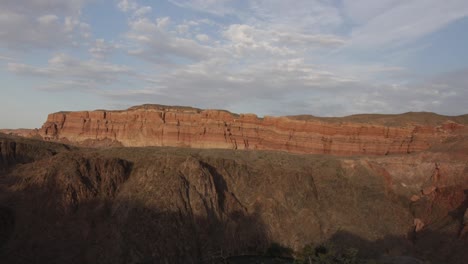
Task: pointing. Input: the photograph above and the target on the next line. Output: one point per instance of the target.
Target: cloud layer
(270, 57)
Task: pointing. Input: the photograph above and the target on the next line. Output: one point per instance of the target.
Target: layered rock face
(155, 125)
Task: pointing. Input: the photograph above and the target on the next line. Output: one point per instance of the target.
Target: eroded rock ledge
(157, 125)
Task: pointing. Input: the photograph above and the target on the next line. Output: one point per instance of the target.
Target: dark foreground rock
(173, 205)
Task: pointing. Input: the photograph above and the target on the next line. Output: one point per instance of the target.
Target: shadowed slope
(170, 205)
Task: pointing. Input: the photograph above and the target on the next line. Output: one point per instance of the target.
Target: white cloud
(245, 39)
(100, 49)
(396, 22)
(203, 37)
(127, 5)
(182, 29)
(40, 24)
(216, 7)
(266, 56)
(69, 7)
(311, 16)
(156, 42)
(6, 58)
(134, 8)
(72, 73)
(47, 19)
(213, 83)
(361, 11)
(162, 22)
(318, 93)
(143, 11)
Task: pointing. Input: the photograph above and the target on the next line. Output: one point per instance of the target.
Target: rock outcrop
(155, 125)
(14, 151)
(180, 205)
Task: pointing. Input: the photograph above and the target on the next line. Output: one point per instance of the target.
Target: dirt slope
(174, 205)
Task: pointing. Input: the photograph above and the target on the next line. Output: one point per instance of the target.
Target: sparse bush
(277, 250)
(329, 254)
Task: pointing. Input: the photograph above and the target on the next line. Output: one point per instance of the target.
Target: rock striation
(157, 125)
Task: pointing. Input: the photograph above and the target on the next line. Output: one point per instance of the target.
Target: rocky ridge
(157, 125)
(62, 204)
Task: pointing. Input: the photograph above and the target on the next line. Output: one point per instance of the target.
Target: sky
(269, 57)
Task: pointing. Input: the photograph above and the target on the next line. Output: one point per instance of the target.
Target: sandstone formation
(67, 204)
(156, 125)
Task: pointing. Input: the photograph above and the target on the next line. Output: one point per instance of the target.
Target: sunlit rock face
(156, 125)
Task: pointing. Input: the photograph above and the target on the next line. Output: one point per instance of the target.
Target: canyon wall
(182, 205)
(155, 125)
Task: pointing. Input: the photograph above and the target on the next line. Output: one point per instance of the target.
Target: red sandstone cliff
(155, 125)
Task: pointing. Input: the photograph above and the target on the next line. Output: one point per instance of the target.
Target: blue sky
(270, 57)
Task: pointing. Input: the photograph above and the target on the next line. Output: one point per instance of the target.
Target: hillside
(61, 204)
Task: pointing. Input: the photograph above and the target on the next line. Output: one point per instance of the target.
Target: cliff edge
(158, 125)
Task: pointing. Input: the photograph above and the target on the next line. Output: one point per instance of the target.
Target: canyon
(160, 184)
